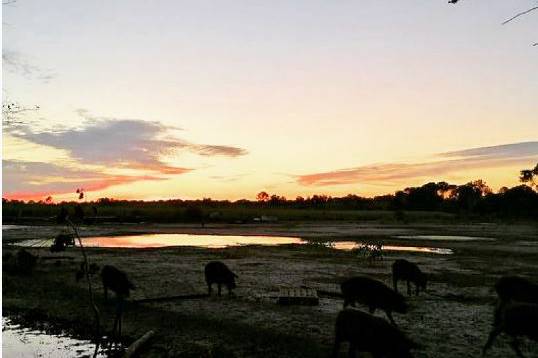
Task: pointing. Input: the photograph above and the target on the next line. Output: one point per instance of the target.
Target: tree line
(473, 198)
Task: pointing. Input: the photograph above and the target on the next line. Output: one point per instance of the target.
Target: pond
(18, 341)
(444, 238)
(350, 245)
(217, 241)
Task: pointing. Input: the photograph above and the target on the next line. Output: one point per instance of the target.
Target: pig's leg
(515, 345)
(389, 315)
(494, 333)
(352, 350)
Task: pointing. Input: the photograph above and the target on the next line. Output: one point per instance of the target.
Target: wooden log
(300, 296)
(136, 345)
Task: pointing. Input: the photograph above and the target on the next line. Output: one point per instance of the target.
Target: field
(155, 212)
(451, 320)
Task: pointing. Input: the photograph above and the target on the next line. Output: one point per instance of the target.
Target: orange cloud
(33, 180)
(477, 158)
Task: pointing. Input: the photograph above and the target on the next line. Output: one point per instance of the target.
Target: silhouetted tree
(262, 197)
(469, 195)
(276, 200)
(528, 176)
(425, 197)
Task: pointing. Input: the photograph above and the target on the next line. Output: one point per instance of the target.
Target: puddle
(216, 241)
(444, 238)
(210, 241)
(350, 245)
(165, 240)
(18, 341)
(16, 227)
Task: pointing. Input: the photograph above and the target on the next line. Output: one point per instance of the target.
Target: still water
(217, 241)
(350, 245)
(21, 342)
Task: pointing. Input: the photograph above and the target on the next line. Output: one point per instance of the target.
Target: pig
(367, 333)
(515, 319)
(373, 294)
(514, 288)
(117, 281)
(408, 271)
(217, 272)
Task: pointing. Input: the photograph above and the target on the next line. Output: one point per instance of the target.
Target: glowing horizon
(200, 99)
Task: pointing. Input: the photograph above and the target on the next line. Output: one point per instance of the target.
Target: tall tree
(528, 176)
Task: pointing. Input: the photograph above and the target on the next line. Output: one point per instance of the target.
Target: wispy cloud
(513, 150)
(35, 180)
(97, 152)
(17, 63)
(212, 150)
(124, 143)
(456, 161)
(228, 178)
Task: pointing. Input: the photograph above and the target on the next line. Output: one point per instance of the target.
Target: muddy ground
(451, 320)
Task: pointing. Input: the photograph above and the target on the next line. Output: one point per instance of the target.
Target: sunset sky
(223, 99)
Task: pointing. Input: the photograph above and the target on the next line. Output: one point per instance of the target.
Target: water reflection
(350, 245)
(24, 342)
(164, 240)
(219, 241)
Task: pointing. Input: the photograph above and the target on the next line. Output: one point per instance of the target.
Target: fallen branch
(136, 345)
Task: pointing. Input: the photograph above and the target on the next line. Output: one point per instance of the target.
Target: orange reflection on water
(350, 245)
(163, 240)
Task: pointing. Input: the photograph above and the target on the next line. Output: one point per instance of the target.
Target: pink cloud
(477, 158)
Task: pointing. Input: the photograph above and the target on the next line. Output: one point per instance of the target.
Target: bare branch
(90, 290)
(11, 111)
(520, 14)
